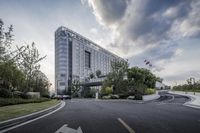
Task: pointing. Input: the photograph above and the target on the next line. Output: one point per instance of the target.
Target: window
(62, 83)
(62, 75)
(63, 34)
(87, 59)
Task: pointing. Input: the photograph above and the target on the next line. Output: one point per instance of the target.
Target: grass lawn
(12, 111)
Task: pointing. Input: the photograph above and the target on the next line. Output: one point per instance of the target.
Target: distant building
(76, 58)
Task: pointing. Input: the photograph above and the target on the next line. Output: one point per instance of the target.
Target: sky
(166, 33)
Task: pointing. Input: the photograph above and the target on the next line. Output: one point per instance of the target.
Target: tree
(91, 76)
(159, 79)
(75, 88)
(10, 76)
(5, 42)
(98, 73)
(19, 68)
(116, 77)
(40, 83)
(30, 63)
(141, 78)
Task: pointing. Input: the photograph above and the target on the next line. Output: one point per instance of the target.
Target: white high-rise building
(76, 57)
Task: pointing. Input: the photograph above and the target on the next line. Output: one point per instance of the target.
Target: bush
(46, 96)
(150, 91)
(5, 93)
(138, 96)
(138, 88)
(106, 91)
(24, 96)
(17, 94)
(123, 95)
(13, 101)
(88, 93)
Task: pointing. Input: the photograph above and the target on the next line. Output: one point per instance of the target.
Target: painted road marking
(126, 126)
(65, 129)
(8, 129)
(171, 98)
(162, 103)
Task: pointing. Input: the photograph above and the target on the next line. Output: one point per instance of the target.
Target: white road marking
(170, 99)
(162, 103)
(8, 129)
(126, 126)
(65, 129)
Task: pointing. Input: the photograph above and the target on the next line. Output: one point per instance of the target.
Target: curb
(189, 103)
(15, 121)
(156, 96)
(192, 105)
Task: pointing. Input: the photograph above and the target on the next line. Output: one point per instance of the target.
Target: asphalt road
(164, 115)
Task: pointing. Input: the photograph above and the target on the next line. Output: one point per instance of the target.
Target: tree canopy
(143, 76)
(20, 67)
(115, 78)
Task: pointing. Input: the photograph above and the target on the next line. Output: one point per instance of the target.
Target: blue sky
(165, 32)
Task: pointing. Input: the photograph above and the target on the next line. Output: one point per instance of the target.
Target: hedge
(13, 101)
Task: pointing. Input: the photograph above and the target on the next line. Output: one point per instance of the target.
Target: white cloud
(133, 29)
(138, 24)
(94, 31)
(150, 29)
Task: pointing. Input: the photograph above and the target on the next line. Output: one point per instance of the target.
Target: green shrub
(24, 96)
(5, 93)
(17, 94)
(13, 101)
(139, 88)
(150, 91)
(106, 91)
(46, 96)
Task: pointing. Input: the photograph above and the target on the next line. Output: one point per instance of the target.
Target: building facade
(76, 58)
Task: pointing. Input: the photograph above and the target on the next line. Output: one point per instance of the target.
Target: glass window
(62, 83)
(62, 75)
(87, 59)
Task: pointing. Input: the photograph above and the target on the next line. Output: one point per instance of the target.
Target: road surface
(164, 115)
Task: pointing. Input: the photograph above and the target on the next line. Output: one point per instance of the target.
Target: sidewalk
(195, 99)
(151, 97)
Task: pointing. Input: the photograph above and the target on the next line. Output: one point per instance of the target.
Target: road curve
(166, 115)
